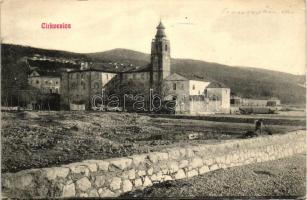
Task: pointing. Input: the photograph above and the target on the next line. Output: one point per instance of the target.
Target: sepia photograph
(154, 99)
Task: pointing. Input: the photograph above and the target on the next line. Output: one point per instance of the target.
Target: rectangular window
(174, 86)
(193, 87)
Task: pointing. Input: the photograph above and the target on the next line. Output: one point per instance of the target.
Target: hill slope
(245, 82)
(122, 55)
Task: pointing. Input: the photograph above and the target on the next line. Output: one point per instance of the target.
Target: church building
(191, 96)
(152, 75)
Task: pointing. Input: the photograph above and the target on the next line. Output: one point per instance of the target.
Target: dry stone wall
(112, 177)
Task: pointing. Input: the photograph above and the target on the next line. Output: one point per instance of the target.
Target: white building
(196, 96)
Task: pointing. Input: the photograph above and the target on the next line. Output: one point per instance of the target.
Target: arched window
(166, 47)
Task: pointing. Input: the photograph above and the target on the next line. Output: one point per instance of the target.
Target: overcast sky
(255, 33)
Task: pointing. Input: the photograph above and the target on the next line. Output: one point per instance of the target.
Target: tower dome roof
(160, 30)
(160, 26)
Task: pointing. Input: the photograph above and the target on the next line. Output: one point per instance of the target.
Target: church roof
(145, 68)
(160, 26)
(118, 67)
(160, 30)
(196, 77)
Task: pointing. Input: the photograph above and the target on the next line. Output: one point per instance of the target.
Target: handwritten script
(264, 11)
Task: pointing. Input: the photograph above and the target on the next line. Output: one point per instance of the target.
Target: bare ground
(44, 139)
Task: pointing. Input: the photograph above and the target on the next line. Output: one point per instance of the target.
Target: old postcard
(153, 99)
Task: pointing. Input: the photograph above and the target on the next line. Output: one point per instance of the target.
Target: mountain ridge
(147, 55)
(243, 81)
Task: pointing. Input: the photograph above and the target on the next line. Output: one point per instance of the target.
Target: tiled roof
(213, 83)
(145, 68)
(49, 73)
(216, 85)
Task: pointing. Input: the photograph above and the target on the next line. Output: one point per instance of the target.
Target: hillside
(245, 82)
(122, 55)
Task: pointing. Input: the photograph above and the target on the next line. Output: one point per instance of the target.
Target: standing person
(258, 126)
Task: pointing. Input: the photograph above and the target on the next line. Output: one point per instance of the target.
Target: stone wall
(112, 177)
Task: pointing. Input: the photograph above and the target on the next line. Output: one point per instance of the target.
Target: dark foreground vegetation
(44, 139)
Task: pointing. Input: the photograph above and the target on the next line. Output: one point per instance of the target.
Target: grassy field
(43, 139)
(274, 179)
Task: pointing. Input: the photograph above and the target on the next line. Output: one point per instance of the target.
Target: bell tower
(160, 58)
